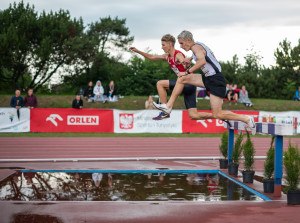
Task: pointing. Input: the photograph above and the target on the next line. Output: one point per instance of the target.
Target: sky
(228, 27)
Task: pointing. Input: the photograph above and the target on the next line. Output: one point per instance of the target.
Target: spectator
(149, 103)
(88, 92)
(30, 100)
(111, 90)
(77, 102)
(230, 95)
(236, 92)
(17, 101)
(297, 94)
(244, 99)
(227, 87)
(98, 92)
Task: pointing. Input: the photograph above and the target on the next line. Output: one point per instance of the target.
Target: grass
(138, 102)
(73, 134)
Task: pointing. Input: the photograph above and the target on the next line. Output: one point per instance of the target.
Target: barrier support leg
(230, 145)
(278, 165)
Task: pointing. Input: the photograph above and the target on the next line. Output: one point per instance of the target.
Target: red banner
(71, 120)
(207, 126)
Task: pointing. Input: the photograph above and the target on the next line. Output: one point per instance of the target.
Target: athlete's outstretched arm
(149, 56)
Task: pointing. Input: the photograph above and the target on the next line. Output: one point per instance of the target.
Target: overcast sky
(228, 27)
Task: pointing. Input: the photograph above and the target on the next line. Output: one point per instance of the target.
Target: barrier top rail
(267, 128)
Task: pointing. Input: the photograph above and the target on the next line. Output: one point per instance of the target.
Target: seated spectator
(88, 92)
(98, 92)
(244, 99)
(149, 103)
(297, 95)
(111, 91)
(77, 102)
(231, 97)
(30, 100)
(17, 101)
(236, 92)
(227, 87)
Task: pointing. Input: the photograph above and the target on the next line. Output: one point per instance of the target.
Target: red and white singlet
(176, 67)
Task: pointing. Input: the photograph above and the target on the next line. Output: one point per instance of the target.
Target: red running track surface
(109, 147)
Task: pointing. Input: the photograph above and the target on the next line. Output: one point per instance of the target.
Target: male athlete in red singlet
(175, 59)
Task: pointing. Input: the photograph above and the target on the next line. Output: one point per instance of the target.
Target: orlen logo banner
(209, 125)
(71, 120)
(82, 120)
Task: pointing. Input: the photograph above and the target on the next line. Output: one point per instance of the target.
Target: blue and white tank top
(212, 66)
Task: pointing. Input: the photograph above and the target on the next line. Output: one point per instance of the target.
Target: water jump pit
(125, 185)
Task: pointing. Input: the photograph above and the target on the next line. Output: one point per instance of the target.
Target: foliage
(38, 48)
(224, 144)
(237, 150)
(110, 31)
(248, 151)
(291, 161)
(36, 45)
(269, 163)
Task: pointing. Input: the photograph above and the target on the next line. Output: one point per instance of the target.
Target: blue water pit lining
(265, 198)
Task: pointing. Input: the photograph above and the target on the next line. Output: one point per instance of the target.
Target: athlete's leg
(194, 115)
(216, 107)
(162, 86)
(193, 79)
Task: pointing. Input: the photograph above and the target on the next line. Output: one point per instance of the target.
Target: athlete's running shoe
(161, 116)
(162, 107)
(252, 125)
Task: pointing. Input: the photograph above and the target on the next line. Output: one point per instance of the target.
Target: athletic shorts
(189, 94)
(215, 84)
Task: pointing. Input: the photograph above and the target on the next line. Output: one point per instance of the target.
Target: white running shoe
(252, 125)
(162, 107)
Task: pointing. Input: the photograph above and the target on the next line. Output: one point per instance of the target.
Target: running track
(59, 147)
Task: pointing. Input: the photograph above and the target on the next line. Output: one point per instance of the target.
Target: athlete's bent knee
(218, 115)
(193, 116)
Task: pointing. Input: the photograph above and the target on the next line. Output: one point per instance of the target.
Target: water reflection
(57, 186)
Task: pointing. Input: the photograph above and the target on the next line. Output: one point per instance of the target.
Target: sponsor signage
(209, 125)
(13, 120)
(140, 121)
(82, 120)
(71, 120)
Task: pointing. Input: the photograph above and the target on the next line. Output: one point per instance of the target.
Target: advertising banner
(140, 121)
(207, 126)
(287, 117)
(12, 120)
(71, 120)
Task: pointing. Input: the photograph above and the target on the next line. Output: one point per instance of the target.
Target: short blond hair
(169, 38)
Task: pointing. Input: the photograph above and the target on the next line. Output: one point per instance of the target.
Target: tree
(111, 32)
(287, 61)
(36, 45)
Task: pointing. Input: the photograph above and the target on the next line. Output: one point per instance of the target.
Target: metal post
(230, 144)
(278, 165)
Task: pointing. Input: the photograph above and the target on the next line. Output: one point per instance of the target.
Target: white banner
(281, 117)
(140, 121)
(11, 121)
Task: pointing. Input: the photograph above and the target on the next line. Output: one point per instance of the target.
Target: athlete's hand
(133, 49)
(187, 62)
(180, 74)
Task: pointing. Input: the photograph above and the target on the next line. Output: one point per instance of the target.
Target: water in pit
(97, 186)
